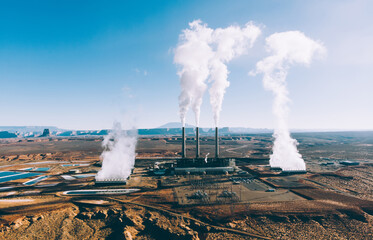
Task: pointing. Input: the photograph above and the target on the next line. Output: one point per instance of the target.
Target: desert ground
(330, 201)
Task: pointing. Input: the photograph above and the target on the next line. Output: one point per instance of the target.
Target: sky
(85, 64)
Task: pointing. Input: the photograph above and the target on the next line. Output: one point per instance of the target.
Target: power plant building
(203, 165)
(200, 166)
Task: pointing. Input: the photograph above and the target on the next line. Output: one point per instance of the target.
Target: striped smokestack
(216, 143)
(197, 142)
(183, 145)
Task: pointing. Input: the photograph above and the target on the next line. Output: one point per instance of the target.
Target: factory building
(349, 163)
(293, 171)
(199, 165)
(112, 181)
(206, 168)
(104, 182)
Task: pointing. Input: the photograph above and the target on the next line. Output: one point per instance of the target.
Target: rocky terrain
(136, 222)
(333, 202)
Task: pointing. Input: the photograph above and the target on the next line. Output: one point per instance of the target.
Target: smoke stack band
(216, 143)
(183, 145)
(197, 142)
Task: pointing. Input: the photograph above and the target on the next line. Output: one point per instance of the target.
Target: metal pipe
(183, 145)
(197, 142)
(216, 143)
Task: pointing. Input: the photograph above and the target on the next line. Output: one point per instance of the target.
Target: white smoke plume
(229, 42)
(193, 54)
(118, 157)
(287, 48)
(204, 52)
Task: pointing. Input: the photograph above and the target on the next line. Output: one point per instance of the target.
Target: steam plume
(287, 48)
(204, 52)
(193, 54)
(118, 157)
(230, 42)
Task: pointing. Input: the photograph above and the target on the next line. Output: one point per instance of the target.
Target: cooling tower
(216, 143)
(197, 142)
(183, 145)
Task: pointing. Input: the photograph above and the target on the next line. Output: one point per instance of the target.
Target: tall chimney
(197, 142)
(216, 143)
(183, 145)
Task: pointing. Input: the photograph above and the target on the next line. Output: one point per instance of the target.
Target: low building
(349, 163)
(205, 166)
(119, 181)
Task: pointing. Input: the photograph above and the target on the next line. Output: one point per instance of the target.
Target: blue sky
(84, 64)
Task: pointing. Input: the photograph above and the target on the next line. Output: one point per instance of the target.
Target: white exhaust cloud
(287, 49)
(229, 43)
(203, 53)
(193, 54)
(118, 157)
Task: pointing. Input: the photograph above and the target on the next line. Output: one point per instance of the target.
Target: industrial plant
(199, 165)
(173, 174)
(181, 182)
(207, 165)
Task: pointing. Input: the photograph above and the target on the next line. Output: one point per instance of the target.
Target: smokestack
(216, 143)
(183, 145)
(197, 142)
